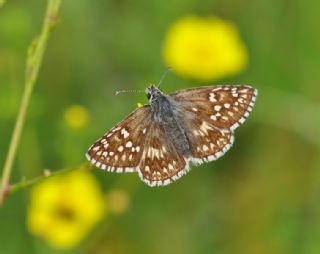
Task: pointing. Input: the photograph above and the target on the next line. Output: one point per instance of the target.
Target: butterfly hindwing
(120, 149)
(207, 141)
(161, 162)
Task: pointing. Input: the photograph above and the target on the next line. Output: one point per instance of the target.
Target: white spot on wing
(241, 100)
(217, 107)
(125, 133)
(213, 117)
(212, 97)
(129, 144)
(205, 127)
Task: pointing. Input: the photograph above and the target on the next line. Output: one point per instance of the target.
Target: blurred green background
(262, 197)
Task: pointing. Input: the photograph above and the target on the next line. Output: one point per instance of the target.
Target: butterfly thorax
(164, 115)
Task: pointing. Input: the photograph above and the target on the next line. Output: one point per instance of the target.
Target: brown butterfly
(161, 139)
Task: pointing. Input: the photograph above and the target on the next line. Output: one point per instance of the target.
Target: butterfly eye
(148, 95)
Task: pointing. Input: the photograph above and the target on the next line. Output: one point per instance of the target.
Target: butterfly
(160, 140)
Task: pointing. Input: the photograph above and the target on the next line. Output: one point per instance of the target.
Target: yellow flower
(64, 208)
(139, 104)
(118, 201)
(204, 48)
(76, 116)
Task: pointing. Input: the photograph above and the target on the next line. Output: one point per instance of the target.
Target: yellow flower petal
(204, 48)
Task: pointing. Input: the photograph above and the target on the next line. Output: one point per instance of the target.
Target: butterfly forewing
(161, 162)
(207, 141)
(222, 106)
(210, 115)
(120, 149)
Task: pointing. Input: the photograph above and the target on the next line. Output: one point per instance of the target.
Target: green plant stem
(34, 60)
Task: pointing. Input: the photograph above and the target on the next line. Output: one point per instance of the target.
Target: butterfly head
(152, 91)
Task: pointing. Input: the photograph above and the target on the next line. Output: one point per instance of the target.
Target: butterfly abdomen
(178, 138)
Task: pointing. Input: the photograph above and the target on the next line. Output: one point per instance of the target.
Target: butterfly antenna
(164, 75)
(128, 91)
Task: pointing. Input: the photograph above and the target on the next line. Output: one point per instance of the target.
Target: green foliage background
(261, 197)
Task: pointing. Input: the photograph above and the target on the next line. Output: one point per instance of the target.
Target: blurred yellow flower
(204, 48)
(76, 116)
(139, 104)
(64, 208)
(118, 201)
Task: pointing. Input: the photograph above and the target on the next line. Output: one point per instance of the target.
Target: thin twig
(26, 183)
(34, 60)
